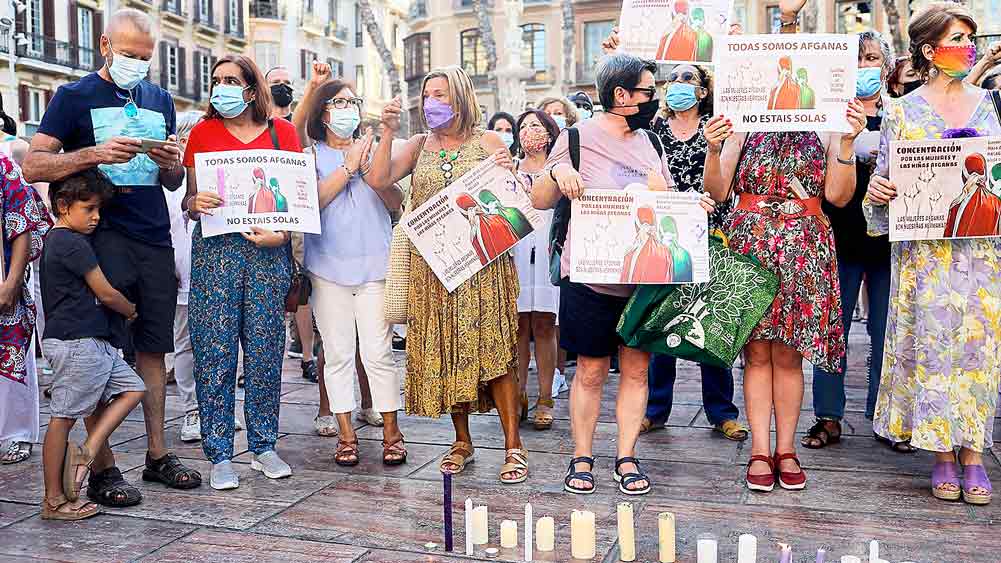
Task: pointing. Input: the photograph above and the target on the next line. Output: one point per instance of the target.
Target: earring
(932, 72)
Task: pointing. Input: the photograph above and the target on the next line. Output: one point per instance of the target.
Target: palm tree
(489, 45)
(893, 22)
(569, 43)
(396, 84)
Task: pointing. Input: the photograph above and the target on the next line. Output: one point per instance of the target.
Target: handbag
(394, 304)
(707, 323)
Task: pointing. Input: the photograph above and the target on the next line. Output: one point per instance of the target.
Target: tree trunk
(893, 22)
(396, 84)
(482, 10)
(569, 44)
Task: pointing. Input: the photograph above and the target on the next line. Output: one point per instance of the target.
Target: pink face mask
(533, 139)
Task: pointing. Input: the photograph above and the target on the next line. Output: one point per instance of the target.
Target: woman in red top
(238, 281)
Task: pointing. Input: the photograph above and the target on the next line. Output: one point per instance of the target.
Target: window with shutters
(473, 55)
(533, 49)
(336, 68)
(360, 81)
(204, 71)
(85, 34)
(173, 64)
(171, 6)
(416, 55)
(204, 11)
(359, 28)
(36, 106)
(35, 32)
(234, 17)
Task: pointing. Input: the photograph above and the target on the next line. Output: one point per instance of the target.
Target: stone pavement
(858, 490)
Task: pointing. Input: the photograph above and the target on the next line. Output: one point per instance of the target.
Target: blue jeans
(717, 391)
(829, 388)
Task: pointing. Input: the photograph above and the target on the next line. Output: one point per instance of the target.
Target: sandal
(325, 426)
(822, 433)
(574, 475)
(524, 406)
(454, 457)
(16, 452)
(788, 480)
(975, 477)
(74, 457)
(346, 454)
(764, 482)
(519, 466)
(395, 453)
(904, 447)
(945, 473)
(732, 430)
(543, 419)
(626, 479)
(171, 472)
(649, 426)
(51, 510)
(110, 488)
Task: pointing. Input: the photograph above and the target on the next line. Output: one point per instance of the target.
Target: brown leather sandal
(395, 453)
(51, 510)
(346, 454)
(455, 457)
(524, 407)
(543, 419)
(519, 466)
(74, 457)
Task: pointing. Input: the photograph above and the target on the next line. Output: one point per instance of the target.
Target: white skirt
(537, 295)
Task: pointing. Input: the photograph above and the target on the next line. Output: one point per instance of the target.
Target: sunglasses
(686, 76)
(651, 91)
(343, 103)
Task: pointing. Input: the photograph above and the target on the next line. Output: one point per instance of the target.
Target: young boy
(91, 380)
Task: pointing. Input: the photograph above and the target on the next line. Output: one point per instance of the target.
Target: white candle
(481, 530)
(665, 524)
(627, 533)
(874, 551)
(707, 549)
(509, 534)
(850, 559)
(747, 549)
(469, 526)
(582, 535)
(545, 533)
(529, 526)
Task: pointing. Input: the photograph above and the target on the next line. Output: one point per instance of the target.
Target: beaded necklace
(447, 165)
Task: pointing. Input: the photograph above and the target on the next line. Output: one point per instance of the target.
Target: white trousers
(348, 316)
(184, 360)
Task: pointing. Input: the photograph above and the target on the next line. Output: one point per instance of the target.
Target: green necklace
(446, 165)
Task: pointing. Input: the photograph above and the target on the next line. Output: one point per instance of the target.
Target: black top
(686, 162)
(851, 241)
(72, 311)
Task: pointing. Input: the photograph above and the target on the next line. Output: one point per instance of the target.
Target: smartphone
(150, 144)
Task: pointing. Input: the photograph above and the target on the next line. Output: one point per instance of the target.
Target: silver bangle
(849, 162)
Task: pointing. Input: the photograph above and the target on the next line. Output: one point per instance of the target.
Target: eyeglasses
(686, 76)
(651, 91)
(343, 103)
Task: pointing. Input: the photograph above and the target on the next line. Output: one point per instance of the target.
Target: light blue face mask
(228, 100)
(507, 137)
(126, 72)
(560, 120)
(868, 81)
(681, 96)
(343, 122)
(585, 113)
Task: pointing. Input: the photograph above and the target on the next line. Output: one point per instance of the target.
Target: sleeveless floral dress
(806, 313)
(457, 342)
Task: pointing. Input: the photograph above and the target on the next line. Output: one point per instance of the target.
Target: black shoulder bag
(300, 288)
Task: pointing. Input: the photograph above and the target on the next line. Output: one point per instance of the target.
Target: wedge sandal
(543, 420)
(975, 477)
(945, 473)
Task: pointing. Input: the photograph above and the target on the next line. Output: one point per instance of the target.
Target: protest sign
(467, 225)
(271, 189)
(785, 82)
(673, 31)
(639, 236)
(946, 188)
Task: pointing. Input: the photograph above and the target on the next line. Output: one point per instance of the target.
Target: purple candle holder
(447, 504)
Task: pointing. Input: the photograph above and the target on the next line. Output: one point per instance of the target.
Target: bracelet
(849, 162)
(551, 175)
(347, 170)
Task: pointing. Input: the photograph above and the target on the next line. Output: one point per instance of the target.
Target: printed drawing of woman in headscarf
(807, 98)
(647, 260)
(679, 43)
(281, 202)
(681, 258)
(704, 41)
(263, 200)
(490, 234)
(785, 94)
(976, 211)
(519, 223)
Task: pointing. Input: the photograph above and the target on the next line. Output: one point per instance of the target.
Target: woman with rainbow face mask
(940, 288)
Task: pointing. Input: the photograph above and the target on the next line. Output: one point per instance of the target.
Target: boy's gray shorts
(87, 372)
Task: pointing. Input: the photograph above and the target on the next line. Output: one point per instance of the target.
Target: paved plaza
(858, 490)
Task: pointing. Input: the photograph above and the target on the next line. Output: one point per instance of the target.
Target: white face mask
(343, 122)
(126, 72)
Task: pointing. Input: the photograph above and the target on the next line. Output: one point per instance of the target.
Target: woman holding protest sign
(461, 345)
(347, 262)
(781, 179)
(238, 281)
(939, 386)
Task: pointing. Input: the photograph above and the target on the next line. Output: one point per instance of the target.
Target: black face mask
(282, 95)
(645, 114)
(910, 87)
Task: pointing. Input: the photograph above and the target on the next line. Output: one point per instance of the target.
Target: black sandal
(820, 436)
(904, 447)
(171, 472)
(629, 478)
(110, 488)
(586, 476)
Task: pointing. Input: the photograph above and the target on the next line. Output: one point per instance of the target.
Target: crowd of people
(98, 225)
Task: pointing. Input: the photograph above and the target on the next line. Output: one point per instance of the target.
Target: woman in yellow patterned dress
(461, 346)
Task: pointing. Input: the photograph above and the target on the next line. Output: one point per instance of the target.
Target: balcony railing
(586, 73)
(338, 32)
(265, 10)
(207, 24)
(543, 76)
(61, 53)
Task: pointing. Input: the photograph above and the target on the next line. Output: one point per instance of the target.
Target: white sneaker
(325, 425)
(370, 416)
(559, 384)
(237, 424)
(224, 477)
(271, 465)
(191, 430)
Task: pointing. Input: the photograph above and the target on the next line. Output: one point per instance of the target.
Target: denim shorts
(87, 372)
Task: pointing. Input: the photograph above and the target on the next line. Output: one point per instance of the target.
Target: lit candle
(665, 524)
(627, 533)
(874, 551)
(447, 504)
(582, 534)
(509, 534)
(821, 556)
(747, 549)
(481, 531)
(529, 526)
(469, 526)
(850, 559)
(785, 553)
(545, 533)
(707, 549)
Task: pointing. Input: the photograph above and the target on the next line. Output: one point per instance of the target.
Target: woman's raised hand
(717, 131)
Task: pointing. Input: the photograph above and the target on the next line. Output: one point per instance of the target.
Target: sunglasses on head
(686, 76)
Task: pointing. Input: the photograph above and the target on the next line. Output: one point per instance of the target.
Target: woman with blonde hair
(561, 110)
(461, 345)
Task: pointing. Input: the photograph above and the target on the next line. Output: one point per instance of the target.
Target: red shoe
(764, 483)
(790, 481)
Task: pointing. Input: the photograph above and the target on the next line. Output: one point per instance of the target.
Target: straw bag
(397, 278)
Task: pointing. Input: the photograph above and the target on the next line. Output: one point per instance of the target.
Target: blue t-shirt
(91, 111)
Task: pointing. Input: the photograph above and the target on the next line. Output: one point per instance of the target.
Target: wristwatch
(849, 162)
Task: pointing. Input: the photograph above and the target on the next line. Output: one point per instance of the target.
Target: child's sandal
(75, 456)
(51, 510)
